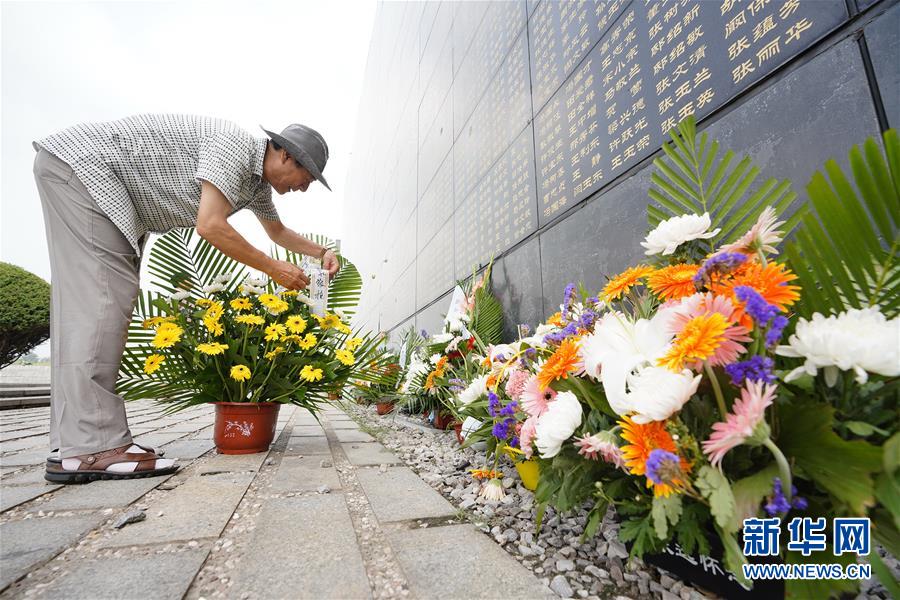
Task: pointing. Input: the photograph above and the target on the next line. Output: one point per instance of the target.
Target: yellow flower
(151, 365)
(331, 320)
(308, 342)
(311, 374)
(292, 338)
(167, 335)
(296, 324)
(278, 350)
(212, 348)
(241, 304)
(250, 319)
(275, 304)
(342, 328)
(699, 340)
(154, 322)
(204, 302)
(240, 373)
(345, 356)
(275, 331)
(214, 311)
(353, 343)
(624, 281)
(278, 308)
(288, 293)
(319, 320)
(214, 326)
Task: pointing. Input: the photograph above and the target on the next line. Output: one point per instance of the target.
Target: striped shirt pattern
(145, 171)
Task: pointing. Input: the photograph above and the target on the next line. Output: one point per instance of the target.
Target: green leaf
(806, 437)
(641, 532)
(714, 486)
(666, 511)
(863, 429)
(818, 588)
(884, 575)
(734, 558)
(691, 529)
(749, 493)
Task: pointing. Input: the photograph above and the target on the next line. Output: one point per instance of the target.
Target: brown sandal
(93, 466)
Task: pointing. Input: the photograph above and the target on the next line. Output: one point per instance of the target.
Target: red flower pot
(442, 420)
(383, 408)
(244, 427)
(457, 427)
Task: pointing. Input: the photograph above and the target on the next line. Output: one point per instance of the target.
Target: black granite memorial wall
(524, 131)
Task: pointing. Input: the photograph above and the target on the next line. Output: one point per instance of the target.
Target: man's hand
(331, 263)
(289, 275)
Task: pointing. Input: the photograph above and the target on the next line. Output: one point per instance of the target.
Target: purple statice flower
(493, 404)
(773, 335)
(514, 442)
(593, 301)
(524, 329)
(457, 385)
(559, 336)
(502, 429)
(424, 334)
(721, 263)
(530, 353)
(756, 368)
(778, 503)
(661, 463)
(756, 306)
(509, 410)
(500, 358)
(588, 317)
(568, 298)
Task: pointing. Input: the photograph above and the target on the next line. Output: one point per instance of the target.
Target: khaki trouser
(94, 274)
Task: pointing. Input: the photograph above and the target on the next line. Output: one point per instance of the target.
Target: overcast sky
(260, 62)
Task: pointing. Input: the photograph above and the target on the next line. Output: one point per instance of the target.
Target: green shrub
(24, 312)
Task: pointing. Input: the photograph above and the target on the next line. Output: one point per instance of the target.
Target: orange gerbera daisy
(439, 368)
(642, 440)
(429, 381)
(673, 282)
(771, 281)
(624, 281)
(484, 474)
(558, 366)
(491, 382)
(555, 319)
(698, 340)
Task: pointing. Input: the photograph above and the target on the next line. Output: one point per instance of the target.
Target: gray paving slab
(29, 476)
(30, 542)
(353, 435)
(307, 430)
(234, 463)
(156, 439)
(308, 445)
(26, 458)
(42, 441)
(102, 494)
(158, 576)
(458, 561)
(344, 425)
(304, 474)
(198, 508)
(340, 417)
(398, 494)
(188, 449)
(304, 547)
(368, 453)
(14, 495)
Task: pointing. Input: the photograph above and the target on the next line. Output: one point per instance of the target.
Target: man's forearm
(226, 238)
(293, 241)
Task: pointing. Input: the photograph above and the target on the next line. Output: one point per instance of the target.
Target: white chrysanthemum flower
(180, 296)
(476, 390)
(435, 358)
(223, 278)
(764, 235)
(500, 351)
(305, 299)
(441, 338)
(863, 341)
(673, 232)
(492, 491)
(341, 314)
(557, 424)
(656, 393)
(255, 281)
(212, 288)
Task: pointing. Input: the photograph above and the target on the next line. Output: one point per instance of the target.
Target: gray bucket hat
(306, 146)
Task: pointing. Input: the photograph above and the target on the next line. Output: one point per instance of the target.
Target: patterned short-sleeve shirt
(145, 171)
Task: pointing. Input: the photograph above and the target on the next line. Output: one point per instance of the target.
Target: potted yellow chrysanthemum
(248, 351)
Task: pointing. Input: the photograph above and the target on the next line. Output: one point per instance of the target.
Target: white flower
(441, 338)
(223, 278)
(673, 232)
(476, 389)
(764, 235)
(180, 296)
(499, 351)
(619, 347)
(861, 340)
(492, 491)
(254, 281)
(305, 299)
(248, 289)
(212, 288)
(341, 314)
(435, 358)
(656, 393)
(543, 329)
(557, 424)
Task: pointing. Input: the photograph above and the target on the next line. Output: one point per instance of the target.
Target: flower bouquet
(246, 347)
(713, 388)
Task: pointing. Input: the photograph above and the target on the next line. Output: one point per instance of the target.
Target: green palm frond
(692, 178)
(846, 253)
(179, 261)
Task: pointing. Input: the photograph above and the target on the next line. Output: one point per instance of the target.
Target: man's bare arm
(213, 226)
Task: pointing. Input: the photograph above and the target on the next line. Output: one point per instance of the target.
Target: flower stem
(762, 257)
(783, 467)
(720, 399)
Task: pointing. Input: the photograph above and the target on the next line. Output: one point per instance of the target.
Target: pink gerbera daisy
(535, 398)
(764, 235)
(526, 435)
(747, 413)
(600, 444)
(701, 305)
(515, 385)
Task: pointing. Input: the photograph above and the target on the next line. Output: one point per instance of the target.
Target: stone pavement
(328, 512)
